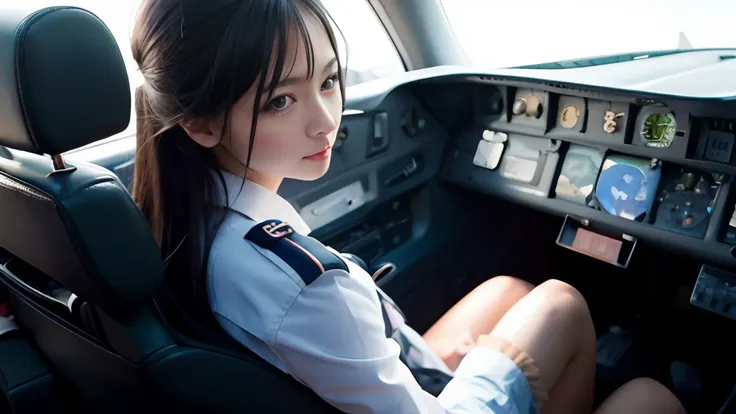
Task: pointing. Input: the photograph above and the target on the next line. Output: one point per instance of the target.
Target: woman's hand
(453, 351)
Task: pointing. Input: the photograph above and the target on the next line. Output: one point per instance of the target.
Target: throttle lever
(402, 175)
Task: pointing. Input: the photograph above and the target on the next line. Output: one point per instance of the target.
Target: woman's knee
(557, 290)
(642, 395)
(660, 395)
(507, 286)
(566, 302)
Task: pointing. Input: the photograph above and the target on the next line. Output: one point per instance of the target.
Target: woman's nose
(320, 119)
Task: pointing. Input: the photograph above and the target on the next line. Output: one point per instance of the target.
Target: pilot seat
(97, 331)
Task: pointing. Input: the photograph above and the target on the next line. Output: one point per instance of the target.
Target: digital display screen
(579, 172)
(719, 146)
(596, 245)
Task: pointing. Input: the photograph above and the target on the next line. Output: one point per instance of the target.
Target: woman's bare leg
(553, 325)
(641, 396)
(476, 314)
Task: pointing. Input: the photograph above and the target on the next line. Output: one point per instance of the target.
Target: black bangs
(253, 46)
(317, 10)
(289, 23)
(293, 21)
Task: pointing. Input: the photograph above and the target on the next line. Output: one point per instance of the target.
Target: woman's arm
(332, 339)
(322, 322)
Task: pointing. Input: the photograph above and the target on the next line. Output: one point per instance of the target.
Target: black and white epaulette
(308, 257)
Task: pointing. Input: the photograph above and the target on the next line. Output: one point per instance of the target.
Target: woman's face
(297, 126)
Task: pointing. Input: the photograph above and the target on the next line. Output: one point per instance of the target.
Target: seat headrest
(63, 81)
(80, 229)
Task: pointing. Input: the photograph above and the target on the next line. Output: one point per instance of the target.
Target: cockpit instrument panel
(663, 164)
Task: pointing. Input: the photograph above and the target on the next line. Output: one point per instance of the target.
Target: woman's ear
(205, 131)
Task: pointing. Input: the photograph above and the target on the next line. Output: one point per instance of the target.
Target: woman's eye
(330, 83)
(280, 103)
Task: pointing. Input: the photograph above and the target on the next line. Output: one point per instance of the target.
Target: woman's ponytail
(146, 175)
(174, 186)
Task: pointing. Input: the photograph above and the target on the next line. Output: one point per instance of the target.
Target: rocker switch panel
(715, 291)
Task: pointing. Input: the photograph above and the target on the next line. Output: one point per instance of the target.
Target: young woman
(240, 94)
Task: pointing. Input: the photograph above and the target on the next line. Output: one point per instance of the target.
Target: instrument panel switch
(490, 149)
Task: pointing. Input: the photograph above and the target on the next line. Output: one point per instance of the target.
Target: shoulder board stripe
(307, 256)
(314, 259)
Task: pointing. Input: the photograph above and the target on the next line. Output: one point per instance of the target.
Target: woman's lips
(322, 155)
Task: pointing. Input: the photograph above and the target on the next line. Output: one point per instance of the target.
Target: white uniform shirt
(330, 334)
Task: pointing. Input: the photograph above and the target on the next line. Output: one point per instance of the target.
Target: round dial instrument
(658, 130)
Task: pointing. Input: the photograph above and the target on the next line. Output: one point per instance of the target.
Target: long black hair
(197, 59)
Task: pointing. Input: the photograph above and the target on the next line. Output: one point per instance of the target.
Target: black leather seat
(82, 268)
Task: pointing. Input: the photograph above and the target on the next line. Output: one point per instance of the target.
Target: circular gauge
(658, 130)
(622, 191)
(569, 116)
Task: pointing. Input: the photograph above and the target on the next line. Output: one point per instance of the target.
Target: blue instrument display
(627, 186)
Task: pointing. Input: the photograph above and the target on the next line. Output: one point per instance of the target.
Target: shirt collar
(261, 204)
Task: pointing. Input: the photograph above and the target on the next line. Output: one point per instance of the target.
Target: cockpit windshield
(502, 34)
